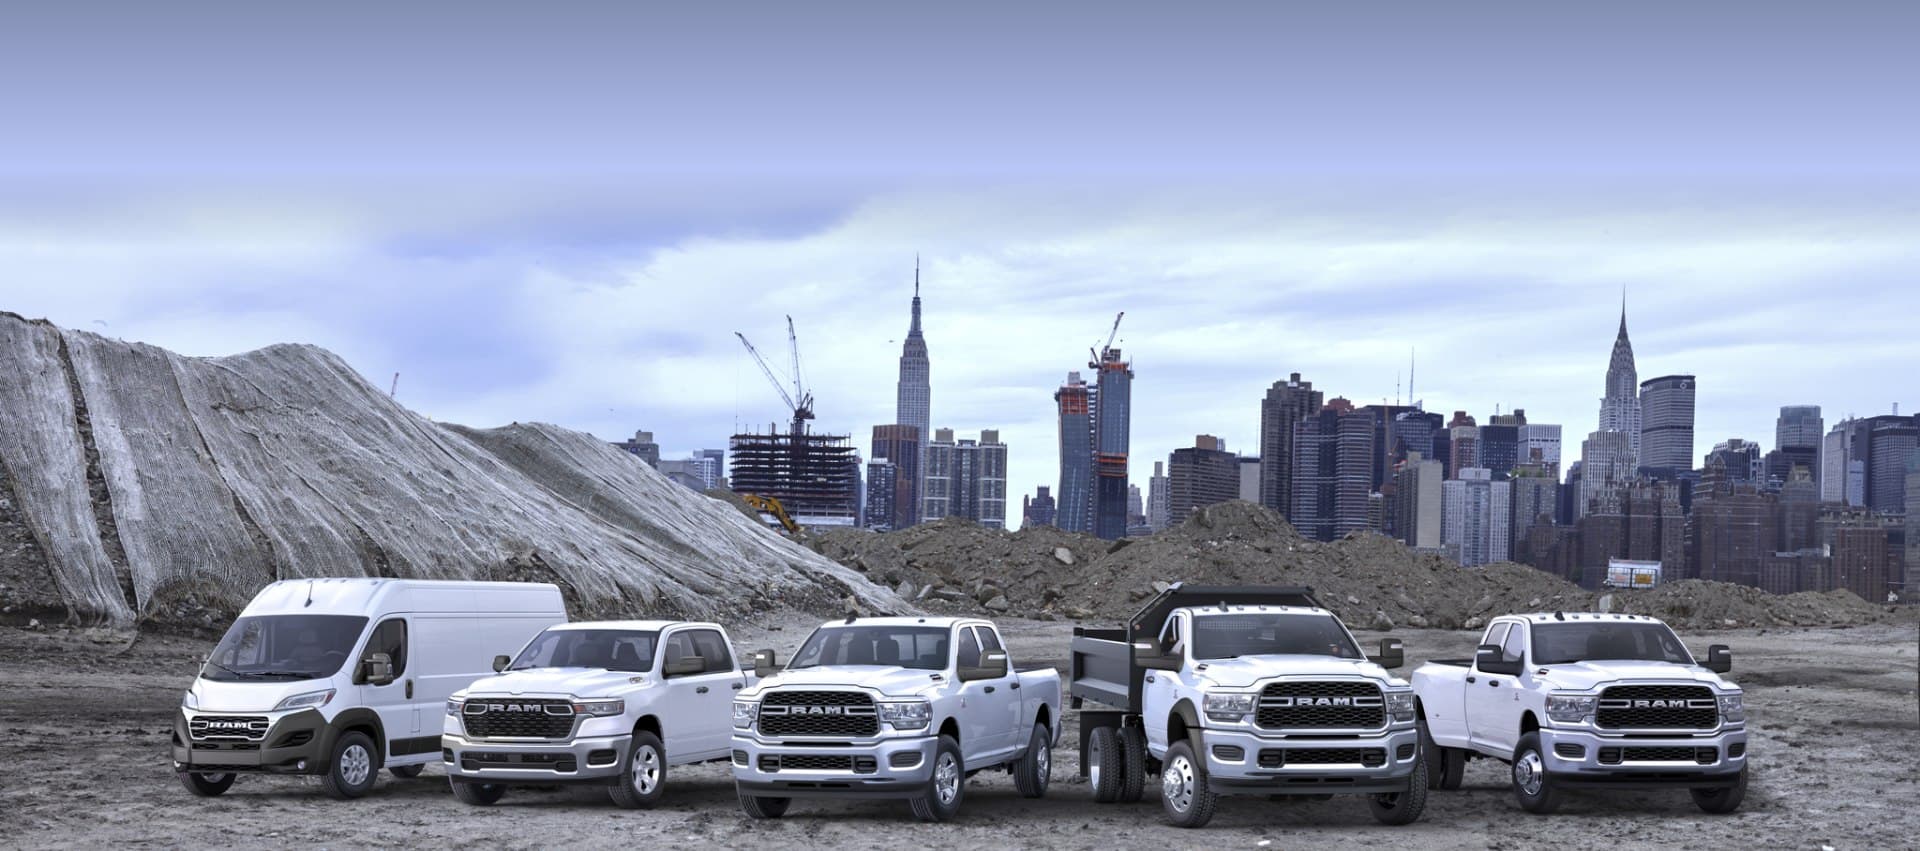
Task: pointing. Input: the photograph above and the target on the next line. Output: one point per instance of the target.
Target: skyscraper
(1620, 408)
(1463, 444)
(1498, 448)
(1883, 444)
(1540, 444)
(1112, 422)
(1606, 465)
(1075, 401)
(1417, 497)
(1666, 424)
(899, 446)
(882, 484)
(1474, 513)
(1202, 474)
(1249, 479)
(967, 478)
(1332, 472)
(1835, 451)
(1797, 443)
(1159, 493)
(1037, 510)
(914, 397)
(1287, 402)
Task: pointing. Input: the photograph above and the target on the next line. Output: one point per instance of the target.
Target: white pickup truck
(1244, 691)
(894, 707)
(610, 703)
(1582, 700)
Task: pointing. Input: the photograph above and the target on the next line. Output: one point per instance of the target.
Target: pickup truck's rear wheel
(1035, 768)
(759, 807)
(1398, 808)
(478, 794)
(1446, 767)
(1103, 764)
(1532, 787)
(205, 785)
(941, 802)
(1184, 792)
(1133, 761)
(1721, 801)
(644, 779)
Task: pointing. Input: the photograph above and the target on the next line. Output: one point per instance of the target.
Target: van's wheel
(1532, 787)
(644, 779)
(478, 794)
(1133, 759)
(1398, 808)
(206, 785)
(355, 764)
(406, 772)
(941, 802)
(1721, 801)
(1184, 792)
(1103, 764)
(759, 807)
(1031, 773)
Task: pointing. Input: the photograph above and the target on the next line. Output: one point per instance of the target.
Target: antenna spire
(916, 275)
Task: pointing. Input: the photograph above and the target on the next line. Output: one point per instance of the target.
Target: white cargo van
(342, 677)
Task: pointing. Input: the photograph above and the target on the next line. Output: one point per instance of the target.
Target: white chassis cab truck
(1244, 691)
(610, 703)
(1581, 701)
(896, 707)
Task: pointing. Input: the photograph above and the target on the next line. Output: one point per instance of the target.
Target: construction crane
(1099, 355)
(799, 401)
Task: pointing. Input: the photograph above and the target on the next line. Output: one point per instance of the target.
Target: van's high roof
(370, 597)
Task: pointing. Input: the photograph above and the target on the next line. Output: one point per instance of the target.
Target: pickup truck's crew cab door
(698, 721)
(1010, 734)
(983, 704)
(1493, 700)
(1158, 689)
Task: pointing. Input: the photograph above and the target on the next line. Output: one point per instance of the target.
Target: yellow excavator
(770, 507)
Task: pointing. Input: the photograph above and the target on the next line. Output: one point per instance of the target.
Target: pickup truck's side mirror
(1488, 660)
(500, 663)
(376, 669)
(1147, 655)
(1393, 654)
(683, 666)
(764, 663)
(993, 666)
(1719, 659)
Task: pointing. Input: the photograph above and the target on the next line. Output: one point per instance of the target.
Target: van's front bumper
(595, 760)
(1242, 762)
(884, 768)
(1583, 758)
(297, 742)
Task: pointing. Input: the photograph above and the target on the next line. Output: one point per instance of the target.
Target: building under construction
(816, 477)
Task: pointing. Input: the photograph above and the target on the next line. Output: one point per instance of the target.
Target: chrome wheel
(356, 765)
(1096, 759)
(1043, 760)
(1176, 784)
(946, 779)
(646, 771)
(1529, 773)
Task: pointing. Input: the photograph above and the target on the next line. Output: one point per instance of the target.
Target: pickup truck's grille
(818, 713)
(1657, 707)
(1328, 705)
(230, 728)
(517, 718)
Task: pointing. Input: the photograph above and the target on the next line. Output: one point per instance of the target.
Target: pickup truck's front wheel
(1721, 801)
(1031, 774)
(645, 778)
(941, 802)
(1184, 792)
(478, 794)
(1398, 808)
(1531, 785)
(759, 807)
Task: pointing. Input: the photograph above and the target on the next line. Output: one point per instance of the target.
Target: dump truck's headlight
(1230, 708)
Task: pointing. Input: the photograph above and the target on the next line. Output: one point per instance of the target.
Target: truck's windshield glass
(1565, 643)
(1229, 636)
(613, 649)
(284, 647)
(920, 647)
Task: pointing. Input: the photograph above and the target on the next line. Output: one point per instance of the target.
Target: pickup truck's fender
(1183, 722)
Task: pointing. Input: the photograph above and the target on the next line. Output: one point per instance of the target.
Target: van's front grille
(228, 728)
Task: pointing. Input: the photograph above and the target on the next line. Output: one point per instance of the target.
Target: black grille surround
(1657, 707)
(517, 718)
(1699, 756)
(228, 728)
(819, 713)
(1343, 705)
(1277, 758)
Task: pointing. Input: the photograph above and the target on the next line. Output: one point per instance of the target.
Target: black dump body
(1103, 668)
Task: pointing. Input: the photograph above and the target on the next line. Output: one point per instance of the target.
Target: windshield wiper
(225, 668)
(305, 675)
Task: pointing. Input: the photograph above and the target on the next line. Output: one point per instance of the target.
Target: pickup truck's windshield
(1229, 636)
(920, 647)
(1566, 643)
(613, 649)
(284, 647)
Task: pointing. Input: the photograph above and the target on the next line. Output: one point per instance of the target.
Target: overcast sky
(563, 212)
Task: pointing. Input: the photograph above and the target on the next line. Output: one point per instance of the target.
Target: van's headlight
(454, 705)
(1733, 707)
(1400, 703)
(595, 707)
(1230, 708)
(309, 700)
(743, 712)
(907, 714)
(1569, 708)
(188, 701)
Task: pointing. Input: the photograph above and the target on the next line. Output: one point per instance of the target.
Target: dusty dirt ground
(1836, 762)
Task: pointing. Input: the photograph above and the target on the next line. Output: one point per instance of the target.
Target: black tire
(356, 762)
(1104, 765)
(1035, 768)
(1428, 747)
(206, 785)
(768, 808)
(1720, 801)
(644, 778)
(1452, 767)
(1133, 764)
(1532, 786)
(478, 794)
(1184, 793)
(941, 801)
(1400, 808)
(406, 772)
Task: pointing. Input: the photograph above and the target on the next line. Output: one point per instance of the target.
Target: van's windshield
(627, 650)
(1229, 636)
(284, 647)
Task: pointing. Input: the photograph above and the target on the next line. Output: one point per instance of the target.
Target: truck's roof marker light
(309, 594)
(1559, 617)
(850, 618)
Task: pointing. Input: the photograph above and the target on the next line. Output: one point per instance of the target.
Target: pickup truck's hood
(889, 680)
(1581, 676)
(1248, 670)
(560, 682)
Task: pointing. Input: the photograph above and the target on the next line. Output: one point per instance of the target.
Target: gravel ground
(86, 717)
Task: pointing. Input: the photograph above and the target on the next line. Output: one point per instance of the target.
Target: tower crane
(799, 402)
(1097, 356)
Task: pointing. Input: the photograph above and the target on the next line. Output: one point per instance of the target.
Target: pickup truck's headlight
(309, 700)
(1733, 707)
(1230, 708)
(1569, 709)
(1400, 703)
(188, 701)
(597, 707)
(455, 705)
(743, 712)
(907, 715)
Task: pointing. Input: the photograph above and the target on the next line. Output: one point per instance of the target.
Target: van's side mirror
(1719, 659)
(764, 663)
(1393, 654)
(1147, 655)
(684, 665)
(376, 669)
(1487, 659)
(500, 663)
(993, 666)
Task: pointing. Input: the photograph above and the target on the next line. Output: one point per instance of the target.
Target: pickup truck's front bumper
(1578, 758)
(591, 760)
(1242, 762)
(883, 768)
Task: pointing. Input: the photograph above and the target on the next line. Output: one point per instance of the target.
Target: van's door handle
(1472, 680)
(409, 689)
(989, 689)
(700, 690)
(739, 686)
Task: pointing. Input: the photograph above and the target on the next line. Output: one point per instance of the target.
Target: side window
(1496, 635)
(989, 640)
(1170, 642)
(969, 654)
(678, 645)
(708, 645)
(1515, 645)
(390, 637)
